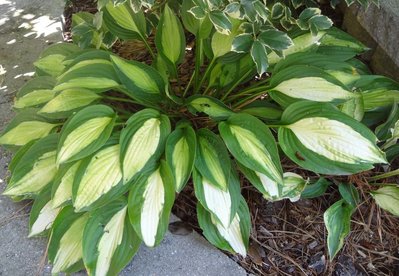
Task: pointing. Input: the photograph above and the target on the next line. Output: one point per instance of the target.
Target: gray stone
(378, 29)
(26, 28)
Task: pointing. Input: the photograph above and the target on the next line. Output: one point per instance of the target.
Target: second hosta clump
(103, 143)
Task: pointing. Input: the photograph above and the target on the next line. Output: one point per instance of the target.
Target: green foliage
(103, 143)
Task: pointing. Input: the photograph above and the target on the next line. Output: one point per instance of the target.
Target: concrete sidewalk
(26, 28)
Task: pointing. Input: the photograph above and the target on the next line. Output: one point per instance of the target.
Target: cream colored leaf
(64, 189)
(154, 199)
(25, 132)
(336, 141)
(232, 234)
(142, 146)
(180, 161)
(102, 173)
(270, 186)
(45, 219)
(109, 242)
(313, 89)
(81, 137)
(218, 202)
(42, 173)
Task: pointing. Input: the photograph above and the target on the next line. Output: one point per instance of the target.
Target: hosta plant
(103, 144)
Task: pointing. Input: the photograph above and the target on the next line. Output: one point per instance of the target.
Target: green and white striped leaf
(123, 22)
(97, 179)
(142, 142)
(35, 98)
(170, 46)
(19, 133)
(150, 203)
(63, 183)
(235, 237)
(109, 241)
(67, 102)
(142, 82)
(222, 204)
(250, 142)
(212, 159)
(387, 198)
(85, 132)
(65, 248)
(393, 139)
(180, 153)
(337, 219)
(320, 138)
(42, 214)
(95, 74)
(36, 168)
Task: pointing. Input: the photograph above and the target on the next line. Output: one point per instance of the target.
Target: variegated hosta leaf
(180, 154)
(101, 174)
(142, 141)
(212, 159)
(209, 105)
(337, 219)
(252, 144)
(394, 136)
(320, 138)
(221, 203)
(65, 248)
(35, 169)
(25, 132)
(62, 186)
(85, 133)
(170, 46)
(109, 241)
(142, 82)
(314, 89)
(69, 100)
(34, 98)
(336, 141)
(234, 237)
(42, 214)
(150, 203)
(291, 186)
(96, 74)
(387, 198)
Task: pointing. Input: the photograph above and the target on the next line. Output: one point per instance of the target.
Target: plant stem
(188, 85)
(247, 91)
(238, 82)
(247, 100)
(208, 70)
(198, 61)
(119, 99)
(385, 175)
(148, 47)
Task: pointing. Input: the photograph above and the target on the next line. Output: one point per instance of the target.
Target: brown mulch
(290, 238)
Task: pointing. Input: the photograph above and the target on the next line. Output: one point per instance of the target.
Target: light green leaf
(85, 133)
(62, 185)
(67, 102)
(25, 132)
(34, 98)
(142, 141)
(337, 219)
(170, 46)
(36, 168)
(209, 105)
(102, 173)
(180, 154)
(387, 198)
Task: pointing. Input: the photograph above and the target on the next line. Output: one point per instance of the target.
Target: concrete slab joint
(26, 28)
